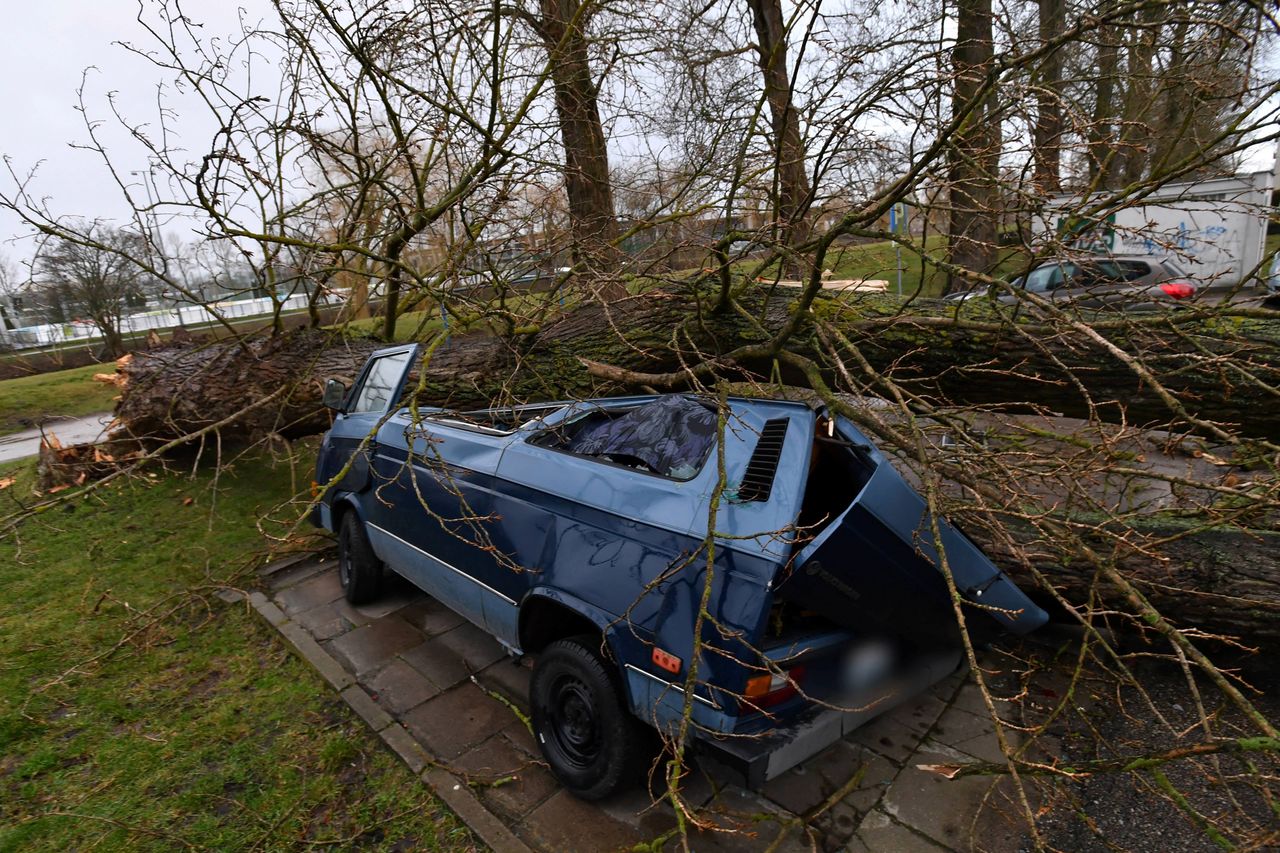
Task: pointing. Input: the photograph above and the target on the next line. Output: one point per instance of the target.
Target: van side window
(379, 384)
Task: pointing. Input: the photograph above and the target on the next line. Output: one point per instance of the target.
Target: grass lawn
(25, 401)
(137, 711)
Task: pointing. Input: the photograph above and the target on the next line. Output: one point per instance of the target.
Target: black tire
(359, 569)
(592, 742)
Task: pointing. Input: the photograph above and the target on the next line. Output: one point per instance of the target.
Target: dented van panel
(597, 512)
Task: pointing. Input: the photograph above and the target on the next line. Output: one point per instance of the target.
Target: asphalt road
(20, 445)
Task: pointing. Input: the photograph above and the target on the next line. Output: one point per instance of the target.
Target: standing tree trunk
(1048, 128)
(1136, 134)
(791, 200)
(562, 27)
(1100, 128)
(975, 152)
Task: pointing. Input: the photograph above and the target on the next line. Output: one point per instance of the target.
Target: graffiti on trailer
(1187, 241)
(1088, 234)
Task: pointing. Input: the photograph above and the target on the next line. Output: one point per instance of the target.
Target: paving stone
(637, 809)
(464, 803)
(406, 746)
(833, 829)
(972, 734)
(324, 622)
(495, 759)
(430, 616)
(399, 687)
(313, 592)
(947, 687)
(919, 713)
(510, 678)
(739, 813)
(344, 609)
(878, 834)
(452, 657)
(983, 747)
(324, 663)
(456, 721)
(299, 573)
(805, 786)
(289, 562)
(942, 809)
(368, 710)
(699, 787)
(371, 646)
(568, 825)
(474, 646)
(969, 698)
(438, 663)
(392, 597)
(268, 609)
(888, 736)
(824, 774)
(521, 738)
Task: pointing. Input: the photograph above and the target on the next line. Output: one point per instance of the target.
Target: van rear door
(875, 567)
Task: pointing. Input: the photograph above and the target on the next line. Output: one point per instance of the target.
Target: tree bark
(971, 358)
(792, 178)
(1101, 128)
(588, 184)
(1047, 134)
(1222, 581)
(974, 155)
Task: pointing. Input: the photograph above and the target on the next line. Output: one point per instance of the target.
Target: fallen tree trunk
(1225, 371)
(1220, 581)
(175, 390)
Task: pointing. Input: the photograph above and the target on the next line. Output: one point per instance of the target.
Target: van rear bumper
(758, 758)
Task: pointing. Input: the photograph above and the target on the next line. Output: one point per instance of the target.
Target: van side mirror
(334, 394)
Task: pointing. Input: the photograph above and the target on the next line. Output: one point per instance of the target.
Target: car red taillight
(766, 691)
(1179, 289)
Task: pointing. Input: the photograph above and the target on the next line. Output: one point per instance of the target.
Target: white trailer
(1214, 229)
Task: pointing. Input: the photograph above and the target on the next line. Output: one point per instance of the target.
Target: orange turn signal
(666, 660)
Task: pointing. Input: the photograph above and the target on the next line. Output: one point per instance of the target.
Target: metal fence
(52, 334)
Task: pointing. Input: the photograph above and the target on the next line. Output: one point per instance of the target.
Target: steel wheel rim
(575, 725)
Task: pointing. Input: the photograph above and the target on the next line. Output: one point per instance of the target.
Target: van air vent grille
(757, 482)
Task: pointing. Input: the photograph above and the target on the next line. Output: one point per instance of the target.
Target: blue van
(582, 533)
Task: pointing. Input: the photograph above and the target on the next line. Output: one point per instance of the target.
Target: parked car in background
(577, 532)
(1120, 282)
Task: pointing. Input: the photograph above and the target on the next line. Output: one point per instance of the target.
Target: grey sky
(45, 47)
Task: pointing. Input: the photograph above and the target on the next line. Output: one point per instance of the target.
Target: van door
(875, 567)
(351, 437)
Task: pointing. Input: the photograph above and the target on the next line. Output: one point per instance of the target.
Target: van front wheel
(585, 732)
(359, 569)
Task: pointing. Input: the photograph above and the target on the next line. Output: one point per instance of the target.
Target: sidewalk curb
(452, 790)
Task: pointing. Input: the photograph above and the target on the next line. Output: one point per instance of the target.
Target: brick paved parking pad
(445, 697)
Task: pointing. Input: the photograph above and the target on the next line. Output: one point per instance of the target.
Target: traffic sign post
(893, 229)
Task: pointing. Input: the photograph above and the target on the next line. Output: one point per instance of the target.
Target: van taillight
(1179, 289)
(774, 688)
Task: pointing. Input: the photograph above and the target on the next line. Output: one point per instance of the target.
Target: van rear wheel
(587, 735)
(359, 569)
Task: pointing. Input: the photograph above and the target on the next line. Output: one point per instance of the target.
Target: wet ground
(446, 697)
(20, 445)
